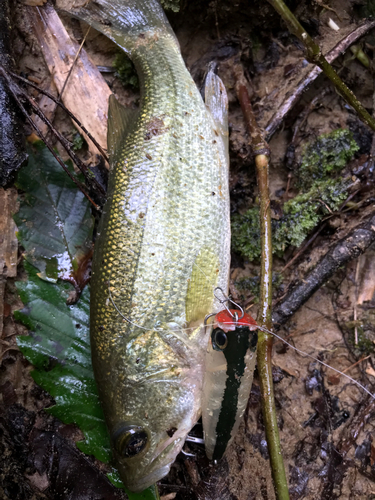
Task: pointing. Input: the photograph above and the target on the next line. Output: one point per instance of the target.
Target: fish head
(151, 395)
(143, 454)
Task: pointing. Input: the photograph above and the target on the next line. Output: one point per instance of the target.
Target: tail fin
(122, 20)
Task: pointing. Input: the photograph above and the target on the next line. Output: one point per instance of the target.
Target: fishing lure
(230, 363)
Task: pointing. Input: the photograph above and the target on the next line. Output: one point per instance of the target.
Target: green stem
(264, 355)
(260, 149)
(315, 56)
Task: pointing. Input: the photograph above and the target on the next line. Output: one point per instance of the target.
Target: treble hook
(224, 302)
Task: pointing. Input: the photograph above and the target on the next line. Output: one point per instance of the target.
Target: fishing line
(263, 329)
(185, 330)
(120, 313)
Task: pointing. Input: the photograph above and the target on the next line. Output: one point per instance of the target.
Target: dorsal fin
(120, 122)
(216, 100)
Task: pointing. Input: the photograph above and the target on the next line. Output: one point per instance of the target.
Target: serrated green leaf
(54, 221)
(59, 348)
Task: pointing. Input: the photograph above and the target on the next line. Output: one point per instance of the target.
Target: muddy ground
(325, 421)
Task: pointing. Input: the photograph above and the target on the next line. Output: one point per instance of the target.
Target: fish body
(163, 244)
(229, 369)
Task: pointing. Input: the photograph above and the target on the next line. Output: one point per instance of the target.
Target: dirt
(325, 420)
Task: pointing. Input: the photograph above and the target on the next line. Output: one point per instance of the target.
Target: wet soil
(325, 421)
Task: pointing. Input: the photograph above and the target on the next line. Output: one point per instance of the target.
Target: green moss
(126, 70)
(248, 284)
(328, 155)
(321, 193)
(173, 5)
(365, 331)
(365, 344)
(78, 141)
(301, 215)
(293, 228)
(246, 234)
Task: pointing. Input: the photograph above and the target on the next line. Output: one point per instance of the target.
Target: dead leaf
(170, 496)
(334, 379)
(8, 239)
(372, 455)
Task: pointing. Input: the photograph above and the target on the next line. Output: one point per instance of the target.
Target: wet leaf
(54, 221)
(59, 348)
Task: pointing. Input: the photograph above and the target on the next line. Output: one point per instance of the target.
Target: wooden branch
(349, 248)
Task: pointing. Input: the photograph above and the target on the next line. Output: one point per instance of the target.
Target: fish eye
(219, 340)
(130, 440)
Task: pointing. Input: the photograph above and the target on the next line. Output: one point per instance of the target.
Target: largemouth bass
(163, 244)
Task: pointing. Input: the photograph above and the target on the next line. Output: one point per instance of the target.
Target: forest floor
(325, 421)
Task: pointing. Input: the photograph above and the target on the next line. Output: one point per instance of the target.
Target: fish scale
(162, 247)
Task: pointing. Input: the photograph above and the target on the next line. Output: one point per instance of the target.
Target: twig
(288, 104)
(305, 113)
(304, 247)
(355, 303)
(93, 183)
(347, 249)
(56, 101)
(15, 92)
(315, 56)
(264, 362)
(73, 63)
(82, 167)
(356, 363)
(364, 413)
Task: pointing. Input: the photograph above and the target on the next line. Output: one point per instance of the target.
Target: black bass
(163, 244)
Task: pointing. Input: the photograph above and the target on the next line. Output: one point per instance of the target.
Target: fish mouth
(146, 481)
(139, 484)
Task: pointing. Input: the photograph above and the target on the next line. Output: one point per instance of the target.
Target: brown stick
(264, 362)
(15, 92)
(71, 115)
(349, 248)
(288, 104)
